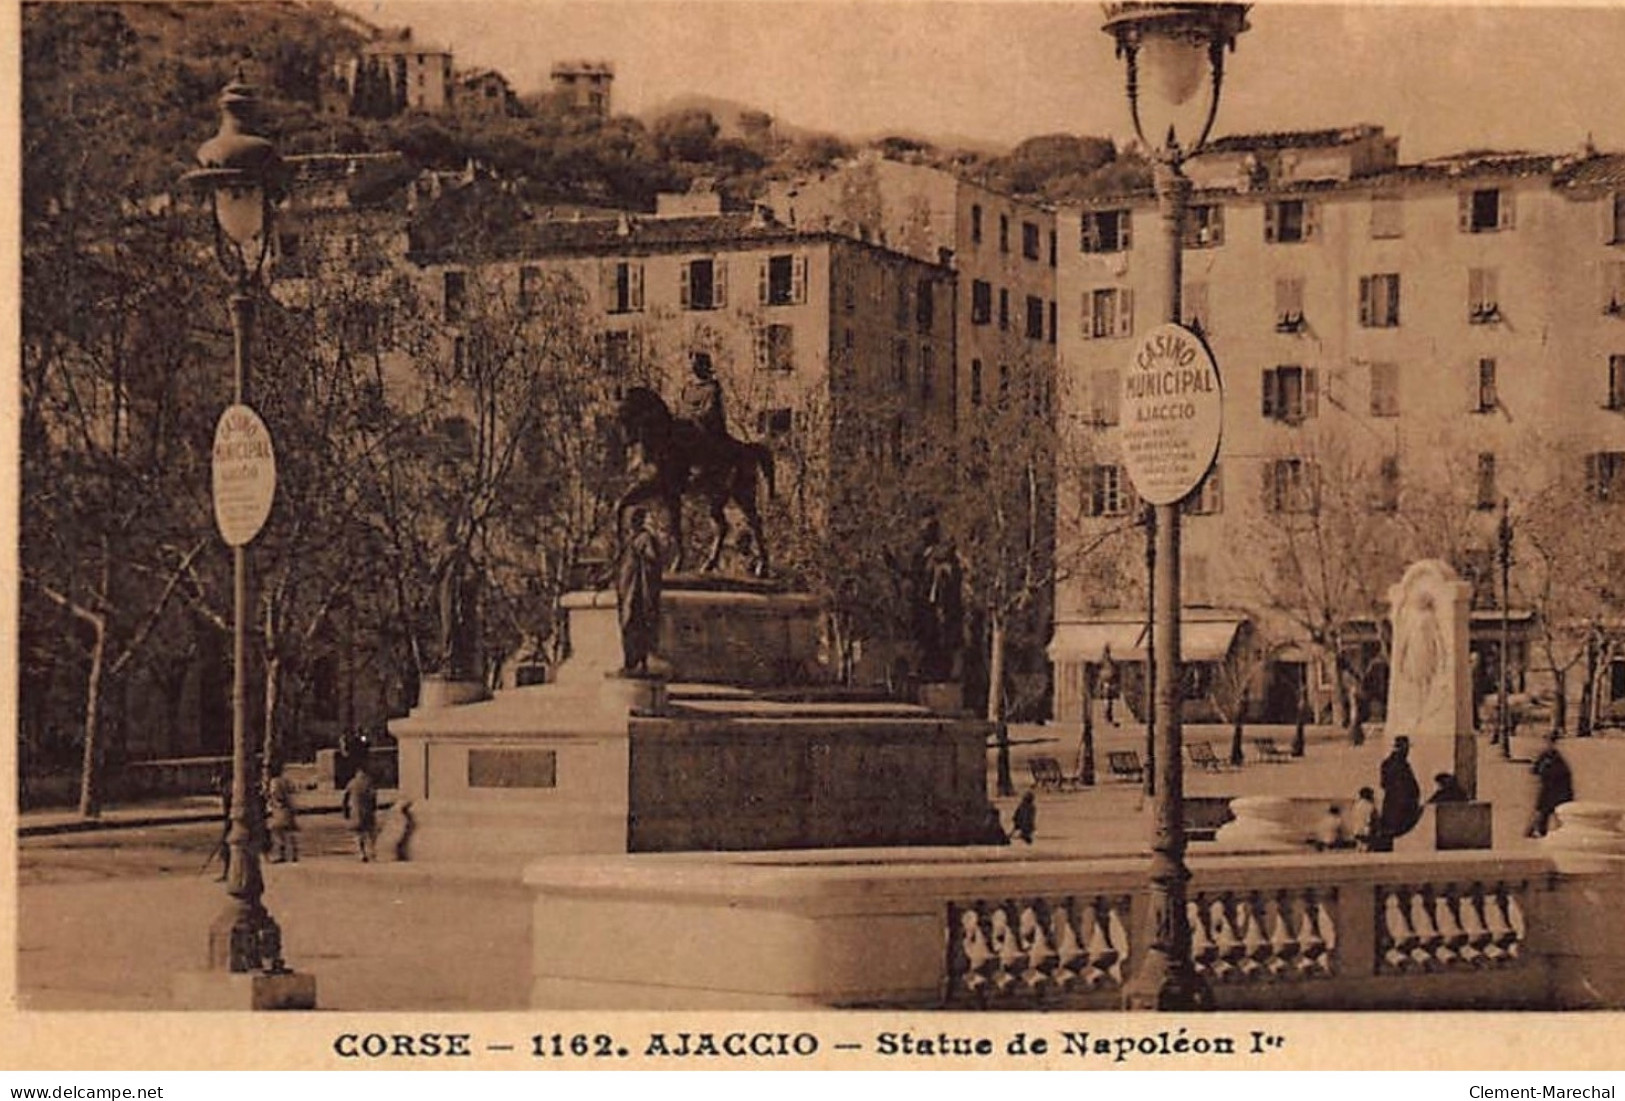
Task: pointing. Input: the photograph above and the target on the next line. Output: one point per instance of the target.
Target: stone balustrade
(1005, 929)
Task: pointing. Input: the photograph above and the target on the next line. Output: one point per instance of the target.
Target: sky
(1443, 76)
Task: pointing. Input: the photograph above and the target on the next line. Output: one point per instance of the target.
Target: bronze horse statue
(680, 459)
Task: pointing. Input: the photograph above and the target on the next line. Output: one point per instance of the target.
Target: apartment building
(1448, 334)
(584, 85)
(396, 72)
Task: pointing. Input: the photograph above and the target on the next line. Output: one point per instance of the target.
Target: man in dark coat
(1555, 782)
(637, 591)
(1025, 821)
(1401, 794)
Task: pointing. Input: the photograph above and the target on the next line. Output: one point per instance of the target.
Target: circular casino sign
(1171, 413)
(244, 475)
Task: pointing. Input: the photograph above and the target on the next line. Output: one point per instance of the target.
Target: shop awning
(1206, 641)
(1087, 642)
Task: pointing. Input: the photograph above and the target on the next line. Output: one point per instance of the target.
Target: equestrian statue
(691, 453)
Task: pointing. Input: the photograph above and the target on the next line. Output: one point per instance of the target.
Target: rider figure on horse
(700, 403)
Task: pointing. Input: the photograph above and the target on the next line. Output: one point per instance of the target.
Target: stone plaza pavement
(106, 935)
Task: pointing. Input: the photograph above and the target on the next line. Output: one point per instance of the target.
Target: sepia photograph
(609, 534)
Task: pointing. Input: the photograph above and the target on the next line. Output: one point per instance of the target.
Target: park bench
(1125, 765)
(1270, 752)
(1203, 757)
(1048, 776)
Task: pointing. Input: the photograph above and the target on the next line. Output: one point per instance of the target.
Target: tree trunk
(995, 668)
(1007, 785)
(271, 747)
(1560, 701)
(1237, 756)
(1588, 691)
(1356, 711)
(1086, 751)
(90, 772)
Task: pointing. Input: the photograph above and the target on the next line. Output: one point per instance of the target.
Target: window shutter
(719, 283)
(1086, 236)
(798, 280)
(1311, 391)
(763, 350)
(682, 286)
(1475, 289)
(1267, 486)
(1365, 300)
(1270, 217)
(1464, 211)
(1125, 312)
(1491, 288)
(761, 282)
(1087, 315)
(1594, 475)
(1215, 224)
(1311, 219)
(1505, 209)
(1392, 317)
(1123, 232)
(634, 280)
(1269, 393)
(607, 281)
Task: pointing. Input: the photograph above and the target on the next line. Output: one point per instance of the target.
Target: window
(774, 422)
(924, 306)
(1035, 317)
(928, 372)
(1004, 233)
(1484, 210)
(1289, 305)
(1004, 385)
(617, 353)
(1107, 492)
(1605, 476)
(1291, 394)
(1208, 500)
(1385, 389)
(976, 223)
(1204, 226)
(623, 287)
(1385, 494)
(1616, 223)
(981, 302)
(291, 251)
(1387, 217)
(1105, 396)
(903, 311)
(1483, 300)
(775, 348)
(1108, 312)
(1486, 399)
(782, 281)
(1379, 301)
(1106, 231)
(1291, 485)
(1054, 241)
(1030, 240)
(1616, 384)
(704, 285)
(1486, 498)
(900, 366)
(1004, 307)
(849, 293)
(976, 382)
(1289, 221)
(1193, 308)
(459, 354)
(530, 288)
(1613, 289)
(1053, 317)
(455, 288)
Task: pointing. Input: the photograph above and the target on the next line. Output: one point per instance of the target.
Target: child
(1363, 819)
(361, 811)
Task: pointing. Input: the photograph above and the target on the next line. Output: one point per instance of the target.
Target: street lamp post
(239, 173)
(1166, 48)
(1503, 540)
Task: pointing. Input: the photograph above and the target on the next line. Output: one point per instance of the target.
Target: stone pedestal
(1264, 823)
(437, 692)
(1430, 686)
(1587, 827)
(253, 990)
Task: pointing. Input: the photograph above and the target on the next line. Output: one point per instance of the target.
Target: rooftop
(1292, 139)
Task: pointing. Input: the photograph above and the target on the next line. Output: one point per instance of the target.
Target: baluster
(973, 946)
(1426, 951)
(1474, 936)
(1117, 936)
(1255, 947)
(1495, 921)
(1096, 949)
(1515, 920)
(1283, 948)
(1444, 919)
(1040, 956)
(1400, 938)
(1068, 952)
(1310, 946)
(1006, 948)
(1229, 945)
(1203, 950)
(1326, 926)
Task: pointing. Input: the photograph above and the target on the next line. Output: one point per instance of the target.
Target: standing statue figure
(1421, 688)
(457, 588)
(637, 592)
(937, 580)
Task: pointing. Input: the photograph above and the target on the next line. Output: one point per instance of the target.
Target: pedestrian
(1363, 819)
(1554, 786)
(1331, 832)
(1108, 683)
(1025, 820)
(992, 829)
(282, 820)
(1448, 789)
(1401, 794)
(361, 811)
